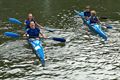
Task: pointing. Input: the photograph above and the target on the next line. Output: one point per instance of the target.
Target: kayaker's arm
(39, 25)
(98, 20)
(42, 35)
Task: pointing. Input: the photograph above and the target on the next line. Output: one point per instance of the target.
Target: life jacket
(33, 33)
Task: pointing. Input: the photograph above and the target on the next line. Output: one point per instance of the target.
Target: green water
(45, 9)
(84, 56)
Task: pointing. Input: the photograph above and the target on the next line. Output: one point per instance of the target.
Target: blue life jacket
(33, 33)
(93, 19)
(28, 23)
(87, 13)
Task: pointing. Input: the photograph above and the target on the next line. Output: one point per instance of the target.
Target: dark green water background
(44, 9)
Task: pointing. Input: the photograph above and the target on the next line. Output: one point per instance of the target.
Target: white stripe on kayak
(37, 47)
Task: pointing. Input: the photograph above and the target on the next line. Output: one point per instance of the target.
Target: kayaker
(94, 19)
(87, 12)
(29, 19)
(33, 31)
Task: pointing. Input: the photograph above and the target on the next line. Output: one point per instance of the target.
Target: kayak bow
(37, 47)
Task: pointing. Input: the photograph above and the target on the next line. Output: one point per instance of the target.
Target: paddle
(52, 29)
(12, 34)
(16, 21)
(15, 35)
(107, 25)
(103, 17)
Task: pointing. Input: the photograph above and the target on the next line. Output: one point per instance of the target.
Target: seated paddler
(33, 31)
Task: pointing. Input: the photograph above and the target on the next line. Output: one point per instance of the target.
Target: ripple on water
(78, 59)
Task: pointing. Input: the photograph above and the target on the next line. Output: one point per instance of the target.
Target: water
(82, 57)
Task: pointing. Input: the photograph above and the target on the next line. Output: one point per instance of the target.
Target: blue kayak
(96, 28)
(37, 47)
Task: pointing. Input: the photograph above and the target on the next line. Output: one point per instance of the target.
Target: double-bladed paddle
(16, 35)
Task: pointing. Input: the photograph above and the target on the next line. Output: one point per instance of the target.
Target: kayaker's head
(93, 13)
(30, 16)
(32, 24)
(87, 8)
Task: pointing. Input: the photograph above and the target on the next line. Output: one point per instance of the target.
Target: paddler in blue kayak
(93, 18)
(29, 19)
(87, 12)
(33, 31)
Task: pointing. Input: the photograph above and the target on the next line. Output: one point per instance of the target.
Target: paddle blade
(11, 34)
(109, 27)
(59, 39)
(103, 17)
(14, 21)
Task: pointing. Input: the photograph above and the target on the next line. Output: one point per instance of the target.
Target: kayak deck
(37, 47)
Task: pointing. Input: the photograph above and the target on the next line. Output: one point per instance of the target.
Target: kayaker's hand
(37, 38)
(24, 35)
(44, 36)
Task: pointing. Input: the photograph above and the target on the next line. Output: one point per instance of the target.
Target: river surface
(84, 56)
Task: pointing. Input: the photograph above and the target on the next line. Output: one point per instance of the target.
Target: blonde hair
(87, 7)
(93, 12)
(30, 14)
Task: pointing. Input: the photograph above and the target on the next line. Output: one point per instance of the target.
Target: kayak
(96, 28)
(37, 47)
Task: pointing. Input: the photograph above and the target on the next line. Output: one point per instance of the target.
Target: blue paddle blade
(11, 34)
(59, 39)
(14, 21)
(109, 26)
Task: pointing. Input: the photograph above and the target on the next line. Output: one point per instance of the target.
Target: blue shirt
(93, 19)
(33, 33)
(28, 23)
(87, 14)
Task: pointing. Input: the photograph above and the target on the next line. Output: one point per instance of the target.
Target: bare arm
(39, 25)
(42, 35)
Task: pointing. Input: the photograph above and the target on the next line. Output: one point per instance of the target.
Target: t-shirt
(87, 14)
(33, 33)
(94, 20)
(28, 23)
